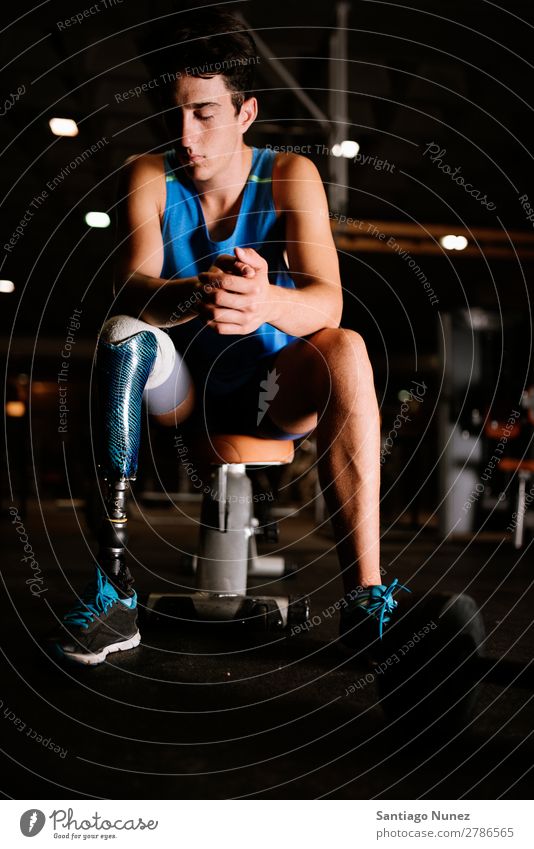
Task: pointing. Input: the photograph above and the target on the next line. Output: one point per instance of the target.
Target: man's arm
(243, 298)
(317, 301)
(138, 288)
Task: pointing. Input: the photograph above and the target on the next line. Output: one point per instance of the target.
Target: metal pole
(287, 78)
(338, 107)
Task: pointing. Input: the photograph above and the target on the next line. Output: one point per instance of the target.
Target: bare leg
(180, 413)
(330, 374)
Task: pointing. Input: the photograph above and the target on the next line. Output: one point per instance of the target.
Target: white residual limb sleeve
(169, 381)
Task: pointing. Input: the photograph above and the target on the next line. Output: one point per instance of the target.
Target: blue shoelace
(97, 597)
(381, 603)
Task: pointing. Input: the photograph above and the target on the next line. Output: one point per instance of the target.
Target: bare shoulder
(143, 177)
(295, 177)
(293, 166)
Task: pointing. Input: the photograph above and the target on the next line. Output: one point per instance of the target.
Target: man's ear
(248, 113)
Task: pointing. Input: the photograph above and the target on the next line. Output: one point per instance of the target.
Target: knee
(181, 411)
(121, 327)
(343, 371)
(340, 347)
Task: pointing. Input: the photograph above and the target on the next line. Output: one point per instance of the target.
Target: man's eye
(204, 117)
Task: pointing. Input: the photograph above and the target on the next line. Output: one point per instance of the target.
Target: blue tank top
(226, 362)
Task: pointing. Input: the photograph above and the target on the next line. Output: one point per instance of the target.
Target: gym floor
(205, 715)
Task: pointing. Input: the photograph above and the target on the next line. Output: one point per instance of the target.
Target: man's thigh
(180, 413)
(283, 393)
(294, 406)
(249, 409)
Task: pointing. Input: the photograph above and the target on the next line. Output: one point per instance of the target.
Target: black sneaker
(99, 623)
(362, 621)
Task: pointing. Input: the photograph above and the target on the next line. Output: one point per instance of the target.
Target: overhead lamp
(15, 409)
(453, 243)
(97, 219)
(63, 126)
(348, 149)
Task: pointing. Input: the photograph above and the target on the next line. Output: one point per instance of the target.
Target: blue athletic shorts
(243, 410)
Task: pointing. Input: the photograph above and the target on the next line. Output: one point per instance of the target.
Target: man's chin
(200, 169)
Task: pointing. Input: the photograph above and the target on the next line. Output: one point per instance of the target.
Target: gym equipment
(478, 371)
(426, 665)
(227, 551)
(428, 671)
(521, 465)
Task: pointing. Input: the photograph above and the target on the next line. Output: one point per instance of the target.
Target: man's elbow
(336, 313)
(330, 322)
(335, 322)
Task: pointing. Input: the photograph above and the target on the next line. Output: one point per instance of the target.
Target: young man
(228, 273)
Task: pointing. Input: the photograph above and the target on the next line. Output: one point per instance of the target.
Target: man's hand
(237, 295)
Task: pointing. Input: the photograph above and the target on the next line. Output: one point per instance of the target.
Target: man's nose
(189, 133)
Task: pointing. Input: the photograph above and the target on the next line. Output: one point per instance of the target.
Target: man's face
(208, 131)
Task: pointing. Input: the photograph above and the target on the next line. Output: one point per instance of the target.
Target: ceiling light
(63, 126)
(15, 409)
(348, 149)
(453, 243)
(97, 219)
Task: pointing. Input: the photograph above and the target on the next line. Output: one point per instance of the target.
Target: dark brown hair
(203, 43)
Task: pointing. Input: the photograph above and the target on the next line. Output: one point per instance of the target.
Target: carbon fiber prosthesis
(123, 369)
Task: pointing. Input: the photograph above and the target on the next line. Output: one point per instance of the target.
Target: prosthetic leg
(133, 359)
(123, 369)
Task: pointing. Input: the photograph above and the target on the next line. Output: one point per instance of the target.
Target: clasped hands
(235, 293)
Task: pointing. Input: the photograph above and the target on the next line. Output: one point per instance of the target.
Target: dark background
(157, 722)
(456, 74)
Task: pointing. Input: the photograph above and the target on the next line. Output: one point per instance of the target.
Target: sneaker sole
(89, 659)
